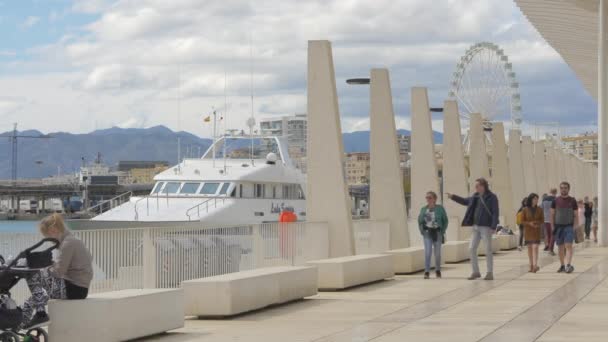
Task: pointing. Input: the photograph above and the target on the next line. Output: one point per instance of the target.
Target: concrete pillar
(602, 93)
(454, 173)
(527, 154)
(387, 196)
(501, 180)
(327, 195)
(561, 166)
(516, 168)
(478, 155)
(423, 162)
(552, 167)
(542, 183)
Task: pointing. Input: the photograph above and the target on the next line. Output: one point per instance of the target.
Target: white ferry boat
(239, 180)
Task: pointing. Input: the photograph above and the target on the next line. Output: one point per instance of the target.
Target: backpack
(520, 217)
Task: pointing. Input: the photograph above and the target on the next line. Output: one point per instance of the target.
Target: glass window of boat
(189, 188)
(209, 188)
(157, 187)
(224, 190)
(171, 187)
(259, 190)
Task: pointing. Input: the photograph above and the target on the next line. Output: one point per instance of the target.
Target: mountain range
(64, 152)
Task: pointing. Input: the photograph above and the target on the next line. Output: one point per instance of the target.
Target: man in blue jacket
(482, 214)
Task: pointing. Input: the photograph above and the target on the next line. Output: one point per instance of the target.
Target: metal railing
(164, 257)
(206, 204)
(113, 202)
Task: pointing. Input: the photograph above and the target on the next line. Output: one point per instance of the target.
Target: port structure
(15, 151)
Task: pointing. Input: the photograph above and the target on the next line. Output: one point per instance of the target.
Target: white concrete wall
(501, 181)
(423, 162)
(516, 168)
(327, 195)
(527, 150)
(478, 155)
(387, 195)
(551, 167)
(454, 173)
(542, 183)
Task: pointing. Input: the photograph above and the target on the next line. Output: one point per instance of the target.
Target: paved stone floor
(517, 307)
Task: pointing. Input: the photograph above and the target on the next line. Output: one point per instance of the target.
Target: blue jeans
(564, 235)
(479, 233)
(429, 245)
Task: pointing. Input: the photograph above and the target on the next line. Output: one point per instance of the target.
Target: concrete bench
(507, 242)
(117, 316)
(344, 272)
(455, 251)
(235, 293)
(495, 246)
(408, 260)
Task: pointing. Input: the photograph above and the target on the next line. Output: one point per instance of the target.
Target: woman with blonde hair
(68, 278)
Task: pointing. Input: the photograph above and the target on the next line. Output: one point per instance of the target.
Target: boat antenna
(214, 134)
(179, 114)
(225, 118)
(251, 121)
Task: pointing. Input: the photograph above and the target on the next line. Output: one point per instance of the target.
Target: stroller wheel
(36, 335)
(9, 336)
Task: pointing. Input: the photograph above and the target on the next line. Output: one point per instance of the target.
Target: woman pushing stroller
(68, 278)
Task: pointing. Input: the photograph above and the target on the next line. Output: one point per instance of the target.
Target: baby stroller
(11, 318)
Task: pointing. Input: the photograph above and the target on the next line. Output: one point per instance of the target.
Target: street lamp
(358, 81)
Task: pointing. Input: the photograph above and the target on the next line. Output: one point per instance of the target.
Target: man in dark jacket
(588, 214)
(482, 214)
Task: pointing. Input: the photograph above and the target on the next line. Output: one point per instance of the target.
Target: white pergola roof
(571, 28)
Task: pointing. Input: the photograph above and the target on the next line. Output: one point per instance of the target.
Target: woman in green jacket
(432, 222)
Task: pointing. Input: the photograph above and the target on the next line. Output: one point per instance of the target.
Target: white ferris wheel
(484, 82)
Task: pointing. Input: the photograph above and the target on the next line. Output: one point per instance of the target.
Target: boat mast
(251, 121)
(225, 119)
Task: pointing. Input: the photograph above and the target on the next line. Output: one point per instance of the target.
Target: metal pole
(603, 122)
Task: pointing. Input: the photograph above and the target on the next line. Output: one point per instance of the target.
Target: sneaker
(569, 269)
(438, 274)
(40, 319)
(489, 276)
(474, 276)
(519, 248)
(561, 269)
(552, 253)
(426, 275)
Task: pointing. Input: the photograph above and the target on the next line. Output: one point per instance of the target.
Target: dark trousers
(521, 235)
(587, 226)
(74, 291)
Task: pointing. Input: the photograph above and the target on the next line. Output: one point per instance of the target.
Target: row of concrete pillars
(521, 168)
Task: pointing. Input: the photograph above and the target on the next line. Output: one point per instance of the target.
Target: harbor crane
(14, 150)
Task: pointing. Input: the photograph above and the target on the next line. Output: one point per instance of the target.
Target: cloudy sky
(80, 65)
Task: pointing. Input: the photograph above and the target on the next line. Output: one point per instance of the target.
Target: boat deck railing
(111, 203)
(206, 204)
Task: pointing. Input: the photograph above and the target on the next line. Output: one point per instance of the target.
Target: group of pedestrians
(481, 214)
(553, 216)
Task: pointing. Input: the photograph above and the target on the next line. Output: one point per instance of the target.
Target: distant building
(357, 168)
(294, 127)
(142, 172)
(584, 145)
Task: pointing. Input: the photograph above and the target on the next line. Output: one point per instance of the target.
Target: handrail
(100, 205)
(198, 206)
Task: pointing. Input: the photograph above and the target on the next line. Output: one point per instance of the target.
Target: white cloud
(7, 53)
(133, 63)
(30, 22)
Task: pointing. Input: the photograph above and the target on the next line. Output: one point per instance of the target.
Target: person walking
(520, 225)
(564, 217)
(546, 205)
(588, 217)
(533, 219)
(594, 218)
(482, 214)
(432, 222)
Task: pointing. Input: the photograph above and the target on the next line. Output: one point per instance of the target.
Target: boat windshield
(241, 148)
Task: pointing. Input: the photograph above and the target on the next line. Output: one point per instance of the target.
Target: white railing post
(149, 260)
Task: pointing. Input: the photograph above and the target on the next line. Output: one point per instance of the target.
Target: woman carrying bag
(432, 222)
